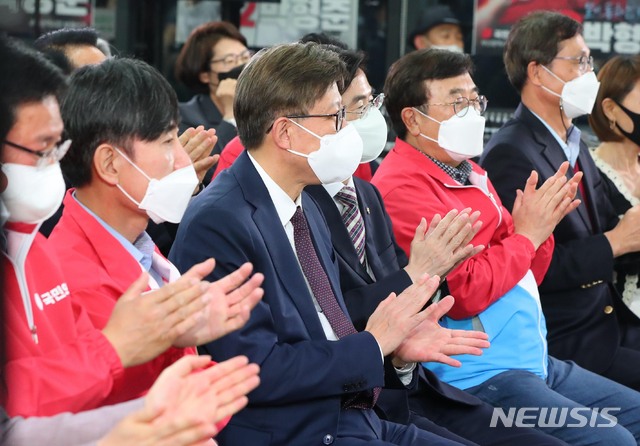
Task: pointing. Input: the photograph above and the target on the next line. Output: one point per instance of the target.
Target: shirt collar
(334, 188)
(285, 206)
(571, 147)
(460, 173)
(135, 252)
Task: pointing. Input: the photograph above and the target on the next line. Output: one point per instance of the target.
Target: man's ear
(280, 133)
(420, 42)
(107, 164)
(409, 118)
(534, 71)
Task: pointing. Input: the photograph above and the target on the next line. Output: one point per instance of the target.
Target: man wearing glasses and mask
(436, 111)
(320, 378)
(548, 62)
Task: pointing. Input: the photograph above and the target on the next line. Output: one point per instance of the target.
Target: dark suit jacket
(303, 376)
(362, 294)
(577, 293)
(200, 110)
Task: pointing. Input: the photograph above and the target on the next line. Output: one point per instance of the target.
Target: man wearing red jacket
(128, 166)
(56, 360)
(436, 111)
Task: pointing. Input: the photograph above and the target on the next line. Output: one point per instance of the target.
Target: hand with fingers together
(396, 316)
(441, 246)
(430, 342)
(198, 143)
(230, 302)
(145, 324)
(187, 402)
(536, 212)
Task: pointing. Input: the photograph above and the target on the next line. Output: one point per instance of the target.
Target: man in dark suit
(319, 377)
(386, 269)
(548, 62)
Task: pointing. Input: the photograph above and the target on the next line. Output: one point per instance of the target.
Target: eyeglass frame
(340, 115)
(481, 99)
(376, 102)
(582, 60)
(243, 57)
(55, 154)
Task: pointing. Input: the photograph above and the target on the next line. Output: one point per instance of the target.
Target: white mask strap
(304, 128)
(132, 163)
(426, 116)
(552, 74)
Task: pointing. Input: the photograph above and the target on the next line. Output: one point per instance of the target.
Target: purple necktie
(321, 288)
(352, 219)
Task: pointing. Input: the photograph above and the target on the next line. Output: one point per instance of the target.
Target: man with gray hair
(320, 378)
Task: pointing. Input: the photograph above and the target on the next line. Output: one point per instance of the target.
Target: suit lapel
(552, 153)
(277, 244)
(371, 230)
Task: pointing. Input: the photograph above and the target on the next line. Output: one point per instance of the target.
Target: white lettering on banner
(342, 6)
(52, 296)
(554, 417)
(597, 35)
(71, 8)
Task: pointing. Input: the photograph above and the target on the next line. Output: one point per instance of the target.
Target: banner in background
(265, 24)
(19, 17)
(610, 26)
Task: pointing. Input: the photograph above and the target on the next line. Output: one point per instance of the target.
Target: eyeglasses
(375, 103)
(339, 115)
(585, 63)
(462, 104)
(45, 157)
(230, 60)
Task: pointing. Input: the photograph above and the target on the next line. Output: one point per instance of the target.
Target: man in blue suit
(549, 63)
(386, 269)
(319, 377)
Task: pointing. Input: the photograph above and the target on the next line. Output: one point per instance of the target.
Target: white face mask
(166, 199)
(452, 48)
(461, 137)
(578, 95)
(32, 195)
(372, 128)
(338, 156)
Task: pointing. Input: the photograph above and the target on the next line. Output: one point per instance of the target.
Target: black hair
(26, 76)
(67, 36)
(406, 87)
(116, 102)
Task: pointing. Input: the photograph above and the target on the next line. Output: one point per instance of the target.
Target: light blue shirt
(141, 250)
(571, 147)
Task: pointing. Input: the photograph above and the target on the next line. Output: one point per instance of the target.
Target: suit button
(328, 439)
(608, 309)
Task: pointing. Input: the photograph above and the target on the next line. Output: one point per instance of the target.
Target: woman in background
(615, 119)
(211, 51)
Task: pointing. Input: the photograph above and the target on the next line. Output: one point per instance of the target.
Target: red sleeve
(542, 260)
(229, 153)
(363, 172)
(74, 377)
(487, 276)
(477, 282)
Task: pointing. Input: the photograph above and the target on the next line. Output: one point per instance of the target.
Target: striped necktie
(352, 219)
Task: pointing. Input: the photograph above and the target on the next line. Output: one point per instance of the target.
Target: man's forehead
(452, 86)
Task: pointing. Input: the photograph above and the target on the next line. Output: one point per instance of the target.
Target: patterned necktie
(352, 219)
(321, 288)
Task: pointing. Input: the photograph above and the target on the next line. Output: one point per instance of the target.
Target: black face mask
(634, 135)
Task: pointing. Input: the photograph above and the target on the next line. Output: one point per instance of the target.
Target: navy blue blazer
(363, 294)
(577, 293)
(200, 110)
(303, 376)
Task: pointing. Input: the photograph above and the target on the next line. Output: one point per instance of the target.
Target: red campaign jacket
(72, 367)
(413, 186)
(234, 148)
(99, 270)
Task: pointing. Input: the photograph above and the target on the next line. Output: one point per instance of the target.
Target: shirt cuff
(405, 374)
